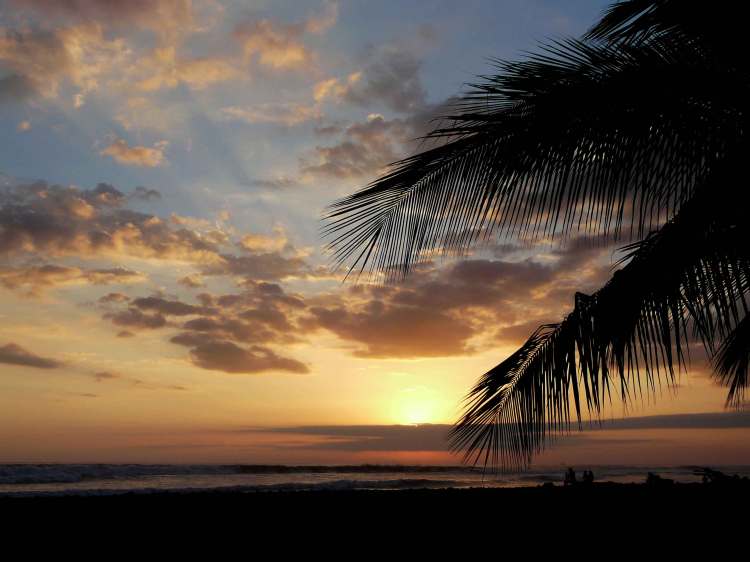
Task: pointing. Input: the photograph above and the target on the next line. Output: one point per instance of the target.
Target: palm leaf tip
(732, 362)
(498, 428)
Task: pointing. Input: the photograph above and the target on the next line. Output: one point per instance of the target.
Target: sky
(165, 292)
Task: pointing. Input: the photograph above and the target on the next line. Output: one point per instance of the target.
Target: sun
(414, 407)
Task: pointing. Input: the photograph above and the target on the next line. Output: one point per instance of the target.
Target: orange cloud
(136, 155)
(364, 149)
(39, 62)
(35, 279)
(263, 243)
(275, 46)
(281, 113)
(164, 70)
(280, 46)
(335, 89)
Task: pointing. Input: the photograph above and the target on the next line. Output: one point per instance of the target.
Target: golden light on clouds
(164, 286)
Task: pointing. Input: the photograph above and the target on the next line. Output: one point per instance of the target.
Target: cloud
(230, 358)
(281, 47)
(191, 281)
(390, 78)
(279, 182)
(40, 62)
(424, 437)
(429, 437)
(153, 14)
(35, 279)
(136, 155)
(335, 89)
(14, 88)
(36, 61)
(165, 69)
(265, 266)
(105, 375)
(54, 220)
(263, 243)
(274, 46)
(134, 318)
(14, 354)
(111, 376)
(145, 194)
(318, 24)
(167, 307)
(397, 331)
(459, 308)
(364, 149)
(230, 332)
(288, 114)
(113, 298)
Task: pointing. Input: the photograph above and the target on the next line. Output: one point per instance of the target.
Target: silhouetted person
(588, 477)
(570, 477)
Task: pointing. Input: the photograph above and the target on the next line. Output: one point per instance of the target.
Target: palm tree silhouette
(636, 130)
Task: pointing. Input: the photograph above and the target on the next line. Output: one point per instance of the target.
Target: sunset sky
(164, 291)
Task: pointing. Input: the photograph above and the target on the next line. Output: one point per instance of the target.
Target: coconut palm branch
(635, 131)
(572, 139)
(688, 280)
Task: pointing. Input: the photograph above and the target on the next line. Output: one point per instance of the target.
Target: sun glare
(414, 407)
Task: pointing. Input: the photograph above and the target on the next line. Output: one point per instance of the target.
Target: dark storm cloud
(14, 354)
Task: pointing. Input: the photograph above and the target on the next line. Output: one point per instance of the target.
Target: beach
(386, 513)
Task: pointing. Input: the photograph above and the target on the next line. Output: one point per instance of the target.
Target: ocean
(102, 479)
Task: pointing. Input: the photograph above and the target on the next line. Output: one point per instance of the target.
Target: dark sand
(604, 522)
(690, 505)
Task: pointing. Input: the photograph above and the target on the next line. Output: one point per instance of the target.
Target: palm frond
(689, 279)
(637, 20)
(732, 362)
(571, 139)
(709, 28)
